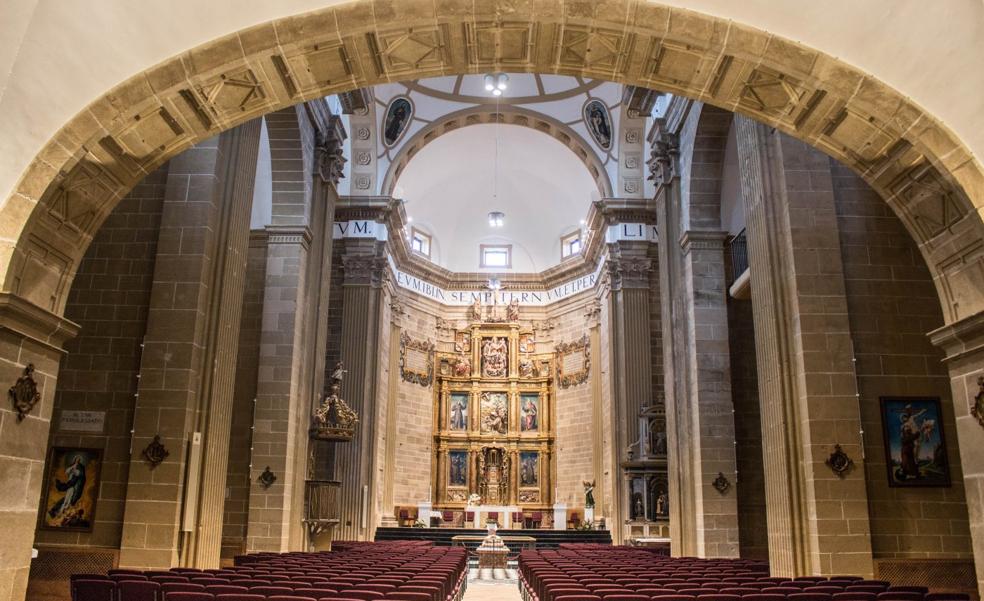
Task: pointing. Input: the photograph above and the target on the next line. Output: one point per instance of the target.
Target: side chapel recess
(494, 419)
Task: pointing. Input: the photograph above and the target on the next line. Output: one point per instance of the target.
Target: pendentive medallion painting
(398, 115)
(529, 468)
(915, 447)
(599, 122)
(494, 413)
(529, 412)
(70, 489)
(458, 411)
(458, 468)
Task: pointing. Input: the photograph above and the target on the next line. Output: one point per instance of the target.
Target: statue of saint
(338, 373)
(589, 493)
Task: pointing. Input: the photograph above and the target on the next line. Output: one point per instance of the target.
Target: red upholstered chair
(448, 518)
(291, 598)
(536, 519)
(899, 596)
(93, 590)
(809, 597)
(922, 590)
(188, 596)
(685, 598)
(169, 578)
(407, 596)
(854, 596)
(405, 518)
(517, 519)
(240, 597)
(182, 587)
(574, 520)
(270, 591)
(764, 597)
(225, 589)
(947, 597)
(581, 597)
(718, 597)
(494, 517)
(865, 588)
(138, 590)
(362, 594)
(118, 571)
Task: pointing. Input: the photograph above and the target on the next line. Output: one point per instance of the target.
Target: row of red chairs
(390, 571)
(601, 573)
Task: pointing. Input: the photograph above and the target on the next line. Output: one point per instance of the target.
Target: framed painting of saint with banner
(71, 488)
(915, 447)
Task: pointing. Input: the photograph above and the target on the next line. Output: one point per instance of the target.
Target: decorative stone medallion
(155, 453)
(839, 462)
(978, 409)
(721, 483)
(267, 478)
(24, 393)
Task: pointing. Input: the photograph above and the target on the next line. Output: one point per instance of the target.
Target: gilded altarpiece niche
(494, 424)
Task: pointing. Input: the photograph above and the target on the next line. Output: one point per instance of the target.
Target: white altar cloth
(482, 512)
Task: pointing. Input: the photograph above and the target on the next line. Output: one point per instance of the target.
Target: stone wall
(892, 303)
(109, 300)
(573, 409)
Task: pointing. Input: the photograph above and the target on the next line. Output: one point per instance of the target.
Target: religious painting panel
(915, 446)
(529, 412)
(529, 468)
(458, 411)
(527, 343)
(71, 488)
(457, 468)
(494, 407)
(528, 368)
(397, 119)
(462, 342)
(495, 357)
(598, 120)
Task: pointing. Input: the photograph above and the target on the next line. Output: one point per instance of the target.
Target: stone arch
(507, 115)
(924, 172)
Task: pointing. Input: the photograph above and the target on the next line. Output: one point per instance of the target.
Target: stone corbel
(664, 156)
(328, 156)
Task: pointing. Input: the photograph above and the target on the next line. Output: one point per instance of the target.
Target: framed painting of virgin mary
(71, 488)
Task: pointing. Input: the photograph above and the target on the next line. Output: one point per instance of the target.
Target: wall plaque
(72, 420)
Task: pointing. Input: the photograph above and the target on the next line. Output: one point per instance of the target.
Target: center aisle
(489, 585)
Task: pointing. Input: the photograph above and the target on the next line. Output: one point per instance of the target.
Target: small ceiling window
(570, 245)
(496, 255)
(420, 243)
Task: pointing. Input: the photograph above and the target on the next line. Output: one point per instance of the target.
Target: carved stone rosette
(567, 377)
(412, 354)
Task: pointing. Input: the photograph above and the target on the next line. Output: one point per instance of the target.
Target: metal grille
(737, 256)
(51, 569)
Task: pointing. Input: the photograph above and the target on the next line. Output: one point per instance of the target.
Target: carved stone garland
(566, 351)
(411, 371)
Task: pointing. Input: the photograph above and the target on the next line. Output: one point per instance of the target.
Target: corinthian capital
(627, 271)
(363, 269)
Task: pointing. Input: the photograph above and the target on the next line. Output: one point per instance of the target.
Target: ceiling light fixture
(494, 284)
(496, 83)
(497, 219)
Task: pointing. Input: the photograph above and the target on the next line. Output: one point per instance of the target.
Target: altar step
(545, 539)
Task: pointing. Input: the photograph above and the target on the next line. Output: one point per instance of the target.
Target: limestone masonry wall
(109, 299)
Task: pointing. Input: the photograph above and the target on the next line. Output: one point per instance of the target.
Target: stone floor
(492, 585)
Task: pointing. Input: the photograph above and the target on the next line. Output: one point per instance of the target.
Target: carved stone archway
(922, 170)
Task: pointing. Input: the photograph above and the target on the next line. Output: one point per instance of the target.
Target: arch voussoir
(930, 179)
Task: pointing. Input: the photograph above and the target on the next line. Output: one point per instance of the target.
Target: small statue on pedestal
(589, 494)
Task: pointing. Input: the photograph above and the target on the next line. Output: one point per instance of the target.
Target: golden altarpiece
(494, 417)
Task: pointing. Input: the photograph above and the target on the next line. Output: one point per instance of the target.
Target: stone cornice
(702, 240)
(288, 234)
(31, 321)
(962, 338)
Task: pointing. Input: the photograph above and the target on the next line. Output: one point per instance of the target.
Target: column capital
(664, 156)
(625, 270)
(961, 338)
(364, 269)
(328, 157)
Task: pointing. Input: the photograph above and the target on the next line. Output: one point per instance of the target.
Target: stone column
(963, 343)
(188, 362)
(703, 521)
(29, 335)
(817, 520)
(629, 266)
(364, 266)
(292, 343)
